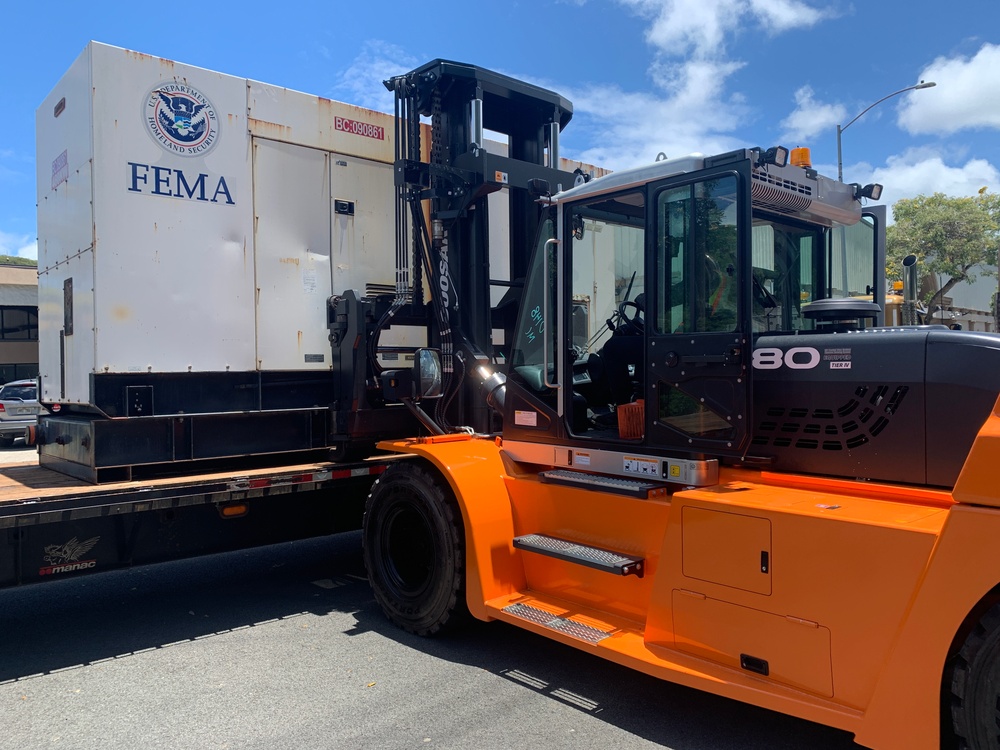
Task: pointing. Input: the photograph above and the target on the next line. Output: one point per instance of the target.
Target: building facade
(18, 322)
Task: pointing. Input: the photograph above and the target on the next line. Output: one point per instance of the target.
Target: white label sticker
(60, 169)
(840, 365)
(310, 280)
(581, 459)
(526, 418)
(647, 467)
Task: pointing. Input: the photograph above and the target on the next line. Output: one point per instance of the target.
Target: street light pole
(842, 128)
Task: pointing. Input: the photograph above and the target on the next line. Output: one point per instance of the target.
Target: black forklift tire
(6, 441)
(975, 686)
(414, 550)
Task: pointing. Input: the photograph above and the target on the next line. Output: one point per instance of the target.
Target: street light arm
(920, 85)
(842, 128)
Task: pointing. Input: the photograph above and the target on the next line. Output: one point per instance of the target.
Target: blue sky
(645, 76)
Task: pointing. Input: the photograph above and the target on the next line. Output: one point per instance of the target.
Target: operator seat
(621, 351)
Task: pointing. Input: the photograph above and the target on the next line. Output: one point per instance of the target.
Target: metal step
(627, 487)
(565, 625)
(591, 557)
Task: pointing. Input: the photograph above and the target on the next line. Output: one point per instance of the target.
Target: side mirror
(421, 381)
(427, 373)
(539, 188)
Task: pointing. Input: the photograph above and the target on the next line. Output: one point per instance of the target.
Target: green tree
(953, 238)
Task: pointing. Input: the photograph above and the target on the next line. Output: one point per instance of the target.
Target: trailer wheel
(414, 550)
(975, 686)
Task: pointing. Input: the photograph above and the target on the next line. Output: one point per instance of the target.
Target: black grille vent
(876, 399)
(778, 194)
(896, 400)
(849, 407)
(868, 422)
(878, 426)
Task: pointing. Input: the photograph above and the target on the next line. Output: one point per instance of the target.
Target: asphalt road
(284, 647)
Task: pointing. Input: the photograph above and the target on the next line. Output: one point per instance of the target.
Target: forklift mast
(452, 177)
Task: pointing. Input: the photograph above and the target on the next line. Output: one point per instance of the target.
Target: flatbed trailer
(53, 525)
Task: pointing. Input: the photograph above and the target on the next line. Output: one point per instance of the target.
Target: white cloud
(689, 107)
(700, 27)
(925, 172)
(630, 128)
(690, 73)
(967, 95)
(361, 83)
(810, 117)
(20, 245)
(783, 15)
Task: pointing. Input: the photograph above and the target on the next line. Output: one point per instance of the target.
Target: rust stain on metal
(269, 129)
(290, 261)
(142, 56)
(121, 313)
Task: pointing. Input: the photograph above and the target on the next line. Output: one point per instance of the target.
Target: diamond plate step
(565, 625)
(627, 487)
(591, 557)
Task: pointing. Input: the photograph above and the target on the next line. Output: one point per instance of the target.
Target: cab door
(698, 345)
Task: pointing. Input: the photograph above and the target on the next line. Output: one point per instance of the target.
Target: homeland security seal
(181, 119)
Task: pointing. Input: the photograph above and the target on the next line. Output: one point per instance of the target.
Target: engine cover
(885, 404)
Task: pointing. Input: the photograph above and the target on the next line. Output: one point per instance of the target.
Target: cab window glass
(698, 289)
(608, 269)
(536, 320)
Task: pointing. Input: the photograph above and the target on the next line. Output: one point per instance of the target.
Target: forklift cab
(647, 289)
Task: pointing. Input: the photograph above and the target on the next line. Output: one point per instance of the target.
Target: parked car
(18, 409)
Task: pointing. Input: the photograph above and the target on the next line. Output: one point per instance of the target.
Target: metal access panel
(66, 301)
(363, 232)
(292, 242)
(322, 227)
(728, 549)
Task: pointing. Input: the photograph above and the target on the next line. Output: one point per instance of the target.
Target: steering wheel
(634, 323)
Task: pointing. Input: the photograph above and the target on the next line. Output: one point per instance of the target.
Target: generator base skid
(97, 449)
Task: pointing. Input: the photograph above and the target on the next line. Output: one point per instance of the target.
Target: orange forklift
(707, 458)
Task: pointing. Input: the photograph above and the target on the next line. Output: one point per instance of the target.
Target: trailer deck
(54, 524)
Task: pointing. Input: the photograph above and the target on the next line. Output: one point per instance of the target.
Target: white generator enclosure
(194, 222)
(196, 231)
